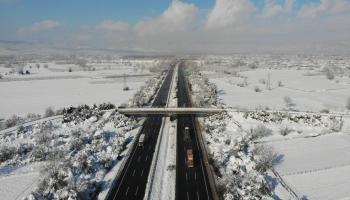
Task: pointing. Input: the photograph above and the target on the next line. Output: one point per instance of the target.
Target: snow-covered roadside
(110, 177)
(240, 167)
(163, 186)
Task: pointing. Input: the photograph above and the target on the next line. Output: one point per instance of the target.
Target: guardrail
(155, 157)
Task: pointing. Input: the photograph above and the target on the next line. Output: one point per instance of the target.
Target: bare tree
(329, 73)
(289, 102)
(49, 112)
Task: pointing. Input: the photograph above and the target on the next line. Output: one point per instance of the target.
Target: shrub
(46, 66)
(70, 70)
(43, 138)
(330, 74)
(49, 112)
(264, 158)
(257, 89)
(285, 130)
(13, 121)
(324, 111)
(280, 84)
(289, 102)
(7, 153)
(259, 132)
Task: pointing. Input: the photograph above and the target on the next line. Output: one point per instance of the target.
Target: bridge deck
(170, 111)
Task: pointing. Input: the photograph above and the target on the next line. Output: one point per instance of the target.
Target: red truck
(189, 158)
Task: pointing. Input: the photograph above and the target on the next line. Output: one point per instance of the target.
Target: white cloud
(227, 13)
(324, 8)
(179, 16)
(231, 25)
(114, 26)
(39, 26)
(273, 9)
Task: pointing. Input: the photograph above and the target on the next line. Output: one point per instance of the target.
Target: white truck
(141, 140)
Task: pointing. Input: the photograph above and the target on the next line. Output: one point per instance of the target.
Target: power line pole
(268, 84)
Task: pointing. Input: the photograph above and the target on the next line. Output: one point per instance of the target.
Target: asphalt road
(191, 183)
(131, 184)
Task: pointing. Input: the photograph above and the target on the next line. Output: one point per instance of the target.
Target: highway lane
(132, 182)
(191, 183)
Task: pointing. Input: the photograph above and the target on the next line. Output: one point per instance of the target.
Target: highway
(132, 181)
(191, 183)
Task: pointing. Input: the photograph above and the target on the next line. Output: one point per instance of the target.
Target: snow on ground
(317, 167)
(308, 93)
(79, 152)
(23, 97)
(55, 86)
(18, 182)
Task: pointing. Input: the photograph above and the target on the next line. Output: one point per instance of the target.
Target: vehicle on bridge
(189, 150)
(142, 140)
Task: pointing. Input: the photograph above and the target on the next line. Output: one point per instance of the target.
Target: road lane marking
(142, 172)
(127, 190)
(186, 176)
(188, 196)
(127, 167)
(195, 175)
(197, 195)
(200, 159)
(137, 189)
(146, 157)
(133, 174)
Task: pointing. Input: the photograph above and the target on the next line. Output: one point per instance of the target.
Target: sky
(217, 26)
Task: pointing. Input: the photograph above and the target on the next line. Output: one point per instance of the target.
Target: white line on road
(188, 196)
(146, 157)
(195, 175)
(142, 172)
(137, 189)
(186, 176)
(133, 173)
(200, 160)
(127, 190)
(197, 195)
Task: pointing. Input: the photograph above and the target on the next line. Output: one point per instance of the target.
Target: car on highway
(141, 140)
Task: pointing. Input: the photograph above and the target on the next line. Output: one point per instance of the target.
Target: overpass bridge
(170, 111)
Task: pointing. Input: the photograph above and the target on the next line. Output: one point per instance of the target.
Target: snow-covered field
(55, 86)
(308, 93)
(310, 152)
(318, 168)
(23, 97)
